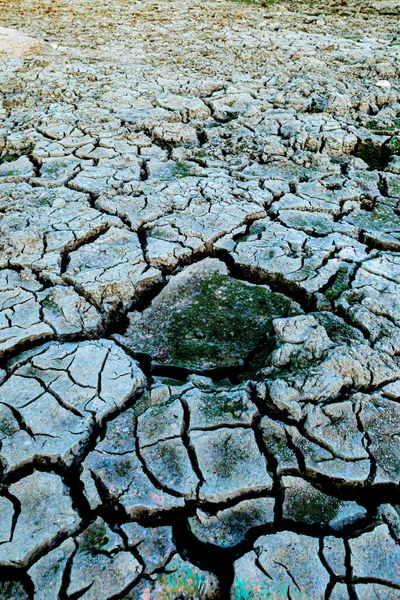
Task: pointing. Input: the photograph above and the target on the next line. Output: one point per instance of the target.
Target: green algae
(11, 173)
(317, 223)
(230, 456)
(393, 188)
(51, 304)
(210, 321)
(381, 218)
(8, 427)
(337, 329)
(11, 157)
(55, 168)
(12, 590)
(340, 284)
(278, 447)
(313, 507)
(243, 238)
(219, 405)
(181, 170)
(393, 146)
(94, 538)
(123, 468)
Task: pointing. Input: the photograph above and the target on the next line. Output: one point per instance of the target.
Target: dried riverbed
(199, 300)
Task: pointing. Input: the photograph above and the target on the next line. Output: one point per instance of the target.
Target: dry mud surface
(199, 300)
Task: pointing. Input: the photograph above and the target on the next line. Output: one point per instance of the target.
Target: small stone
(14, 43)
(383, 83)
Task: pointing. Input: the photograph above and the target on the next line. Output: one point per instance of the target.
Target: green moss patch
(12, 590)
(313, 507)
(7, 427)
(220, 405)
(205, 319)
(393, 146)
(371, 153)
(230, 457)
(340, 284)
(51, 304)
(94, 538)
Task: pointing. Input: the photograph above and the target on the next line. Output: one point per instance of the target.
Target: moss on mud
(94, 538)
(313, 508)
(210, 321)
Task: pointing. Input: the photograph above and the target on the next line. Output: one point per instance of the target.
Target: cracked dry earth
(200, 301)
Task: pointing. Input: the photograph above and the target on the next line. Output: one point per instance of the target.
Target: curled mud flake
(231, 526)
(305, 504)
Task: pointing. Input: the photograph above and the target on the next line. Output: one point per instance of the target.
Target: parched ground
(200, 300)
